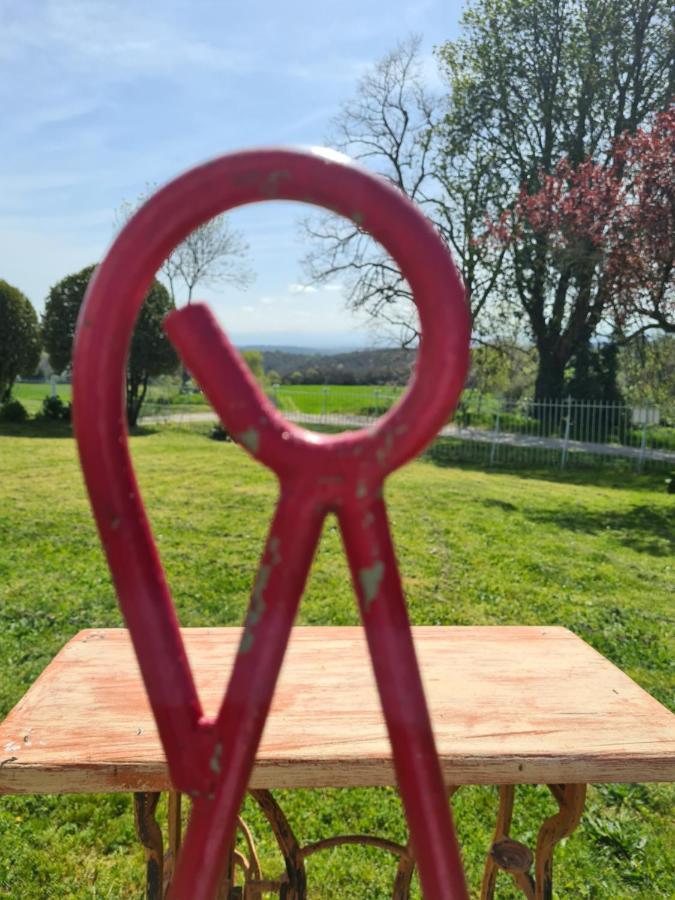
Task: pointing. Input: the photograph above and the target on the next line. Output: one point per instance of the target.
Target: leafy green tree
(60, 317)
(313, 376)
(489, 373)
(150, 355)
(503, 369)
(535, 82)
(254, 360)
(19, 338)
(595, 373)
(647, 371)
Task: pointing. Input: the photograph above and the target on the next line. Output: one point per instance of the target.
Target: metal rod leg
(570, 799)
(506, 854)
(295, 887)
(175, 834)
(150, 835)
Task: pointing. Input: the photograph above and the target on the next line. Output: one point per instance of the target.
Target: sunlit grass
(474, 547)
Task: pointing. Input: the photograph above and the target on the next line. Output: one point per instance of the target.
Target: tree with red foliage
(609, 236)
(533, 83)
(641, 257)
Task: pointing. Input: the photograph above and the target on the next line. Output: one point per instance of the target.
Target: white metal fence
(485, 429)
(559, 432)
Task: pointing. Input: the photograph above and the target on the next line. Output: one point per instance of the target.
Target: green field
(335, 398)
(591, 552)
(359, 399)
(32, 395)
(315, 399)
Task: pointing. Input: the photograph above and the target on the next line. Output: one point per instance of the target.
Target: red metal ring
(323, 178)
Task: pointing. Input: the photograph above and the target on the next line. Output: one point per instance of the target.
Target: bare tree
(214, 252)
(392, 124)
(211, 254)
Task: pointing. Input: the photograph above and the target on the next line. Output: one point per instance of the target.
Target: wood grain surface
(509, 705)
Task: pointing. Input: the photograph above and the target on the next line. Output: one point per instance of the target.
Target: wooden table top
(509, 705)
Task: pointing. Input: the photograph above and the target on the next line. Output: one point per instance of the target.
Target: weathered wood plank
(509, 705)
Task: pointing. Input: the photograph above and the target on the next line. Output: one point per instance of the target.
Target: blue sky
(100, 98)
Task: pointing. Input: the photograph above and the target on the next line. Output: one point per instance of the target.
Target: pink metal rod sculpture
(212, 760)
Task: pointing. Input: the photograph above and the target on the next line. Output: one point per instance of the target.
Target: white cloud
(267, 301)
(248, 309)
(301, 288)
(116, 41)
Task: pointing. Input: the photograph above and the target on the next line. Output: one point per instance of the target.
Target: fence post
(566, 438)
(643, 445)
(53, 383)
(493, 448)
(323, 401)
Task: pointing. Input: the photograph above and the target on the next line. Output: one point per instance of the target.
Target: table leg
(150, 835)
(175, 832)
(570, 799)
(294, 886)
(516, 859)
(404, 873)
(505, 853)
(227, 889)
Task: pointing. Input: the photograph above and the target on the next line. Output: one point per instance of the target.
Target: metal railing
(485, 429)
(561, 432)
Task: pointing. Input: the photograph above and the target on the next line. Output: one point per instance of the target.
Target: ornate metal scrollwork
(516, 859)
(244, 879)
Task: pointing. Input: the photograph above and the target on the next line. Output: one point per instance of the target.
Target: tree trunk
(550, 383)
(136, 392)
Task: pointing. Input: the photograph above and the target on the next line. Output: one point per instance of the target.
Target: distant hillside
(374, 366)
(299, 351)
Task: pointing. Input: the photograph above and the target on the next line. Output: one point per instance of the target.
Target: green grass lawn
(335, 398)
(343, 399)
(593, 552)
(32, 395)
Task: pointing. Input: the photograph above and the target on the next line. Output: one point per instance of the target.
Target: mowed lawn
(338, 399)
(475, 548)
(306, 398)
(32, 395)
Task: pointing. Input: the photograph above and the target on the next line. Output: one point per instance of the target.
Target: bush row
(53, 409)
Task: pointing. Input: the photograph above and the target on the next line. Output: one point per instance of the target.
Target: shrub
(54, 408)
(13, 411)
(218, 433)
